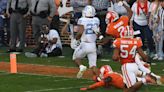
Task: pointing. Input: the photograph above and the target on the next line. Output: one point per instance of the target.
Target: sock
(81, 66)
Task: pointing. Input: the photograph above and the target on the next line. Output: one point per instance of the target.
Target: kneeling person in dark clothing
(50, 43)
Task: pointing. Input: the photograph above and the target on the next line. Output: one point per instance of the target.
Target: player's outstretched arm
(142, 54)
(129, 11)
(94, 86)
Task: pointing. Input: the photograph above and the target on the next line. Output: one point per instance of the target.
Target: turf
(41, 83)
(67, 61)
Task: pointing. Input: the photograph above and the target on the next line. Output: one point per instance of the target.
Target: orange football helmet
(105, 69)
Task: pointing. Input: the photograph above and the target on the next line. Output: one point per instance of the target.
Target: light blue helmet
(89, 11)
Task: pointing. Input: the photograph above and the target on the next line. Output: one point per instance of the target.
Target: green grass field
(41, 83)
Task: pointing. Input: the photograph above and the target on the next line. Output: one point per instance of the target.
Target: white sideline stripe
(44, 90)
(44, 65)
(53, 76)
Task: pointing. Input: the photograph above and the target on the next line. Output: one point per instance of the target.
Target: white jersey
(88, 34)
(51, 35)
(140, 19)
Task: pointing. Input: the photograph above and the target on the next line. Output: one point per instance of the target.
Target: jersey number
(121, 29)
(125, 53)
(89, 28)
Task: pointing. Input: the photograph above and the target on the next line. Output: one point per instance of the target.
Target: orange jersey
(116, 27)
(127, 47)
(117, 79)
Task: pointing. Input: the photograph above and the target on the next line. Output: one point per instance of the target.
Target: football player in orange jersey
(125, 51)
(107, 78)
(116, 24)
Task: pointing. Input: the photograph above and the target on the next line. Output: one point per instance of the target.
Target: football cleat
(106, 69)
(81, 71)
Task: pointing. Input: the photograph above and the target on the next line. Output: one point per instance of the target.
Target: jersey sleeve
(116, 43)
(97, 21)
(108, 30)
(125, 19)
(139, 42)
(80, 21)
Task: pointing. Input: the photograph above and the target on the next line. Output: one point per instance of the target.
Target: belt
(42, 14)
(34, 14)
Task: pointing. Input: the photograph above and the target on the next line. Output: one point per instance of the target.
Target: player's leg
(77, 56)
(129, 76)
(92, 58)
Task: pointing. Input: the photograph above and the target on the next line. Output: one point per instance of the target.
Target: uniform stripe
(127, 76)
(127, 82)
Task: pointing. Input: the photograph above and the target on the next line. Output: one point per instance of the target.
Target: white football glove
(101, 37)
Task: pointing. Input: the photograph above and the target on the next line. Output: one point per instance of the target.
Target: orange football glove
(83, 89)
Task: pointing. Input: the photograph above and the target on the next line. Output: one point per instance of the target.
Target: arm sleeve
(79, 22)
(52, 7)
(139, 43)
(8, 6)
(29, 6)
(98, 21)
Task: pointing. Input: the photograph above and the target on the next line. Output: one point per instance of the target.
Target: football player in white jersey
(87, 31)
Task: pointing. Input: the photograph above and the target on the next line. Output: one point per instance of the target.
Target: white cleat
(81, 71)
(158, 78)
(159, 81)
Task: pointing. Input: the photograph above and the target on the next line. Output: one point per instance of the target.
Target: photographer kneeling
(49, 44)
